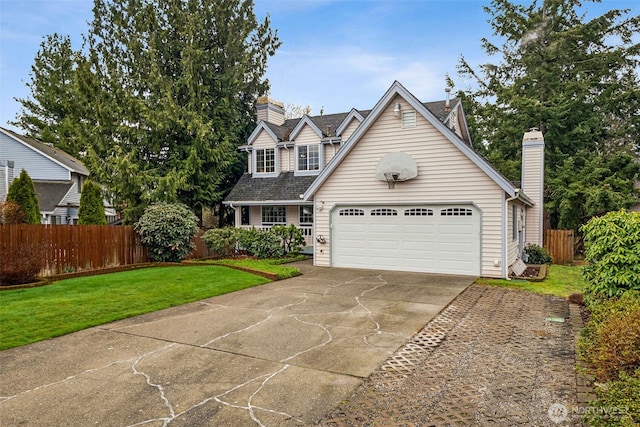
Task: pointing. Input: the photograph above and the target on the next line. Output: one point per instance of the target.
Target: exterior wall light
(396, 110)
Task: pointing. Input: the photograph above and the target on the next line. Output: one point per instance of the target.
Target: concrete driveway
(282, 354)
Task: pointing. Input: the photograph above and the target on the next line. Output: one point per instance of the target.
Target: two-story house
(57, 176)
(397, 187)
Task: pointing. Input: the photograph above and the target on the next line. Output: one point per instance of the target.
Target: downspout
(235, 215)
(505, 254)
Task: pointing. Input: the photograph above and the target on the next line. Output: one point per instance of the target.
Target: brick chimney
(270, 110)
(533, 184)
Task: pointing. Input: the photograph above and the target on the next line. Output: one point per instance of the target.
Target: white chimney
(533, 184)
(270, 110)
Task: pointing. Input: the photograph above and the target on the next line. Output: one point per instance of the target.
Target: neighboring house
(398, 187)
(57, 176)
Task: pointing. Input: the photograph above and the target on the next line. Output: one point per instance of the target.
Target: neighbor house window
(274, 215)
(308, 157)
(265, 160)
(244, 215)
(306, 215)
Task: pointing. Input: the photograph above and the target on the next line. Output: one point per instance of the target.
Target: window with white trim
(384, 212)
(456, 212)
(244, 215)
(408, 119)
(306, 215)
(265, 160)
(272, 215)
(308, 157)
(418, 212)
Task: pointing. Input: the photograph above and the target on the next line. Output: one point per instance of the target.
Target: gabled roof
(305, 121)
(352, 115)
(397, 89)
(263, 126)
(285, 187)
(54, 154)
(51, 193)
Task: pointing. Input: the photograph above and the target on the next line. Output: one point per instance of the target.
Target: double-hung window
(265, 160)
(272, 215)
(308, 158)
(306, 215)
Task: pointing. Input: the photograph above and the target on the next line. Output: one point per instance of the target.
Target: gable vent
(408, 119)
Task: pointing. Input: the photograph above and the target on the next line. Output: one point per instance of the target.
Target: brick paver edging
(494, 356)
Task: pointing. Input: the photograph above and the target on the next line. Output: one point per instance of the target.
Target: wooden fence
(560, 244)
(72, 248)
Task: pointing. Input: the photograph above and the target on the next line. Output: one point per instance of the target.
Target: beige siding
(286, 159)
(444, 175)
(513, 250)
(307, 136)
(330, 150)
(255, 215)
(532, 175)
(350, 129)
(264, 140)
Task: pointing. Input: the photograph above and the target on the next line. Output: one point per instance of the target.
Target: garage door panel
(446, 242)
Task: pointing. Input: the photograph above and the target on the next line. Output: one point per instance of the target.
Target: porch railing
(307, 231)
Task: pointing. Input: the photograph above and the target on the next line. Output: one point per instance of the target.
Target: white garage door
(433, 239)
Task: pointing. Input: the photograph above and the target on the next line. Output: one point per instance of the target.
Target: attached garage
(421, 238)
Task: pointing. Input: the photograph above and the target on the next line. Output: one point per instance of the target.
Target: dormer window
(308, 158)
(265, 160)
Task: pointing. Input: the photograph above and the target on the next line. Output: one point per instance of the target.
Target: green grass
(34, 314)
(274, 266)
(562, 281)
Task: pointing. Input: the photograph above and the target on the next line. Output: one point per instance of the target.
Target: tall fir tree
(179, 79)
(23, 193)
(575, 79)
(161, 96)
(50, 114)
(91, 210)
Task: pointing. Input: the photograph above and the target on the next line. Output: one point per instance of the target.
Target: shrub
(535, 254)
(612, 253)
(223, 241)
(261, 244)
(21, 265)
(10, 213)
(167, 230)
(91, 205)
(617, 403)
(291, 237)
(24, 194)
(610, 343)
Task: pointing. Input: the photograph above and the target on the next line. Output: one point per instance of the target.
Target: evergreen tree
(51, 113)
(162, 96)
(22, 192)
(91, 210)
(573, 78)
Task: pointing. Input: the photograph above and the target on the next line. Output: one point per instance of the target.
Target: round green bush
(535, 254)
(167, 230)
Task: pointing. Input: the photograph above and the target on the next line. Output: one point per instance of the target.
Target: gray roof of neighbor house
(67, 160)
(284, 187)
(51, 193)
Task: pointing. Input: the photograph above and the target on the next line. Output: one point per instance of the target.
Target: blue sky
(335, 54)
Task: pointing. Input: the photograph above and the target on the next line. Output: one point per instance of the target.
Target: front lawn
(35, 314)
(562, 281)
